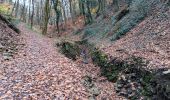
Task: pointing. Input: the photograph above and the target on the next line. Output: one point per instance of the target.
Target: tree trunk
(32, 15)
(46, 17)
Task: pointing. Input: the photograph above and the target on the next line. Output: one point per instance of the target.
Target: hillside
(144, 40)
(85, 50)
(150, 40)
(9, 39)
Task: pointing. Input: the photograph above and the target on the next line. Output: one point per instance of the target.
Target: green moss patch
(70, 50)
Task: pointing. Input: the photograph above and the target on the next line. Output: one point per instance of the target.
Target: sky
(65, 3)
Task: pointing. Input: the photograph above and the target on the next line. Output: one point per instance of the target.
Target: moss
(99, 58)
(70, 50)
(73, 50)
(111, 69)
(146, 84)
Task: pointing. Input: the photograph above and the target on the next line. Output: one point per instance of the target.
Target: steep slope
(9, 39)
(150, 39)
(113, 25)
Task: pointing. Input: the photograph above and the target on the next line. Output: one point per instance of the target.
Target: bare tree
(32, 15)
(46, 16)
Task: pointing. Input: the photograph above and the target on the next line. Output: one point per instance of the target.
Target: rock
(167, 72)
(129, 91)
(123, 77)
(87, 82)
(121, 81)
(95, 91)
(123, 93)
(7, 56)
(119, 85)
(117, 89)
(129, 81)
(92, 98)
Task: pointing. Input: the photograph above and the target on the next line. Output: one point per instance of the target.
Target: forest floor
(39, 72)
(150, 40)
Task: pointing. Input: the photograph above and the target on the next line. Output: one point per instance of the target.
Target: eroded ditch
(130, 77)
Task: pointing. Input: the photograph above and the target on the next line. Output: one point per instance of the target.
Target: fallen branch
(13, 27)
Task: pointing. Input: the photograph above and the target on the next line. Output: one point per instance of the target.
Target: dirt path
(39, 72)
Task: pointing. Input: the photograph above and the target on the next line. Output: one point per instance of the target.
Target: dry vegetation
(91, 50)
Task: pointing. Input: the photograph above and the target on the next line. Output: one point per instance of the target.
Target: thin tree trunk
(13, 8)
(46, 16)
(32, 15)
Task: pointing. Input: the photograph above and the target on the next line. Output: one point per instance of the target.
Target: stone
(95, 91)
(129, 91)
(87, 82)
(123, 77)
(123, 93)
(119, 85)
(167, 72)
(117, 89)
(129, 81)
(7, 56)
(92, 98)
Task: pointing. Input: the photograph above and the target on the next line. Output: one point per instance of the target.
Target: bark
(16, 10)
(57, 11)
(46, 16)
(13, 8)
(32, 15)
